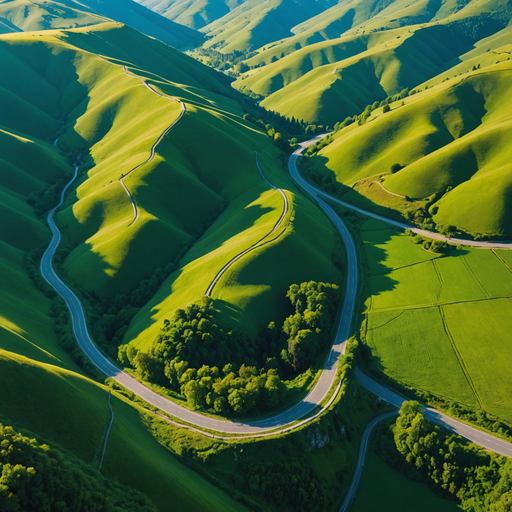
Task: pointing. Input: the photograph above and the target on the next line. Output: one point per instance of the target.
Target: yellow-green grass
(352, 71)
(452, 135)
(65, 14)
(65, 408)
(440, 323)
(254, 24)
(385, 489)
(252, 293)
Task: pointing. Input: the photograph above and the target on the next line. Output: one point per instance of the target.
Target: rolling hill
(191, 13)
(29, 15)
(254, 23)
(450, 139)
(336, 78)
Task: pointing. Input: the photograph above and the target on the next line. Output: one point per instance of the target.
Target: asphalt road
(402, 225)
(282, 421)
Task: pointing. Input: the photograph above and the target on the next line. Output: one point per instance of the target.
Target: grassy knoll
(251, 294)
(253, 24)
(383, 488)
(448, 129)
(439, 323)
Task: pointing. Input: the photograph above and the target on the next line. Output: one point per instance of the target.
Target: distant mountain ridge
(30, 15)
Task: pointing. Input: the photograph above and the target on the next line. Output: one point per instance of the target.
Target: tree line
(35, 477)
(454, 468)
(220, 368)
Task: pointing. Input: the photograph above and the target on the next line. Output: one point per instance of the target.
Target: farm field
(440, 323)
(385, 489)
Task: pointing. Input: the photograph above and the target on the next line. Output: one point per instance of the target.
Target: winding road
(289, 419)
(155, 145)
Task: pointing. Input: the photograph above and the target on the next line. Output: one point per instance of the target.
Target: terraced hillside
(28, 15)
(450, 140)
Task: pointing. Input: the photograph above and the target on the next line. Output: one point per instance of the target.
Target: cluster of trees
(437, 246)
(308, 329)
(35, 477)
(451, 466)
(291, 484)
(217, 367)
(46, 198)
(225, 61)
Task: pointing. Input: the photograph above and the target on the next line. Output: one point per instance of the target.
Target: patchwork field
(441, 323)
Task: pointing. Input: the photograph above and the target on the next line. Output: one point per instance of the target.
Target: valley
(237, 236)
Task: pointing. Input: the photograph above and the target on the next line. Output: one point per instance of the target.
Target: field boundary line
(108, 429)
(441, 280)
(413, 307)
(475, 277)
(387, 322)
(503, 262)
(404, 266)
(462, 364)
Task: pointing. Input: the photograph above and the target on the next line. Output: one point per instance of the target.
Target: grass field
(450, 140)
(385, 489)
(440, 323)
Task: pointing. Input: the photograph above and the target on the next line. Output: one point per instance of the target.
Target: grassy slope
(383, 488)
(62, 14)
(193, 14)
(254, 23)
(429, 319)
(453, 135)
(57, 402)
(401, 46)
(251, 294)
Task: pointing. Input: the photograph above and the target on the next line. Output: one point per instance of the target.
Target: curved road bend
(230, 263)
(155, 145)
(284, 419)
(358, 472)
(401, 225)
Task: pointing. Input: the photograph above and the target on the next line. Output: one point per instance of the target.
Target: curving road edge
(231, 262)
(155, 145)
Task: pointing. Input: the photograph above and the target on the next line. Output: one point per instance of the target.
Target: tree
(386, 108)
(396, 168)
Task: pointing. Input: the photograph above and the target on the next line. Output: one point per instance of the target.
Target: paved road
(363, 450)
(281, 421)
(260, 242)
(402, 225)
(155, 145)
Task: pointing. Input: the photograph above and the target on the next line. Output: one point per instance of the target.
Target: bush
(395, 168)
(386, 108)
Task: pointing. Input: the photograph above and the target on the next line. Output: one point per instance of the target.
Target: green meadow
(440, 323)
(383, 488)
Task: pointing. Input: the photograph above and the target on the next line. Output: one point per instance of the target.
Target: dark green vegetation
(35, 477)
(217, 367)
(454, 468)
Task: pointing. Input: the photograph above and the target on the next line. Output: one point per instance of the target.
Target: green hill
(29, 15)
(192, 14)
(326, 81)
(451, 140)
(254, 23)
(43, 390)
